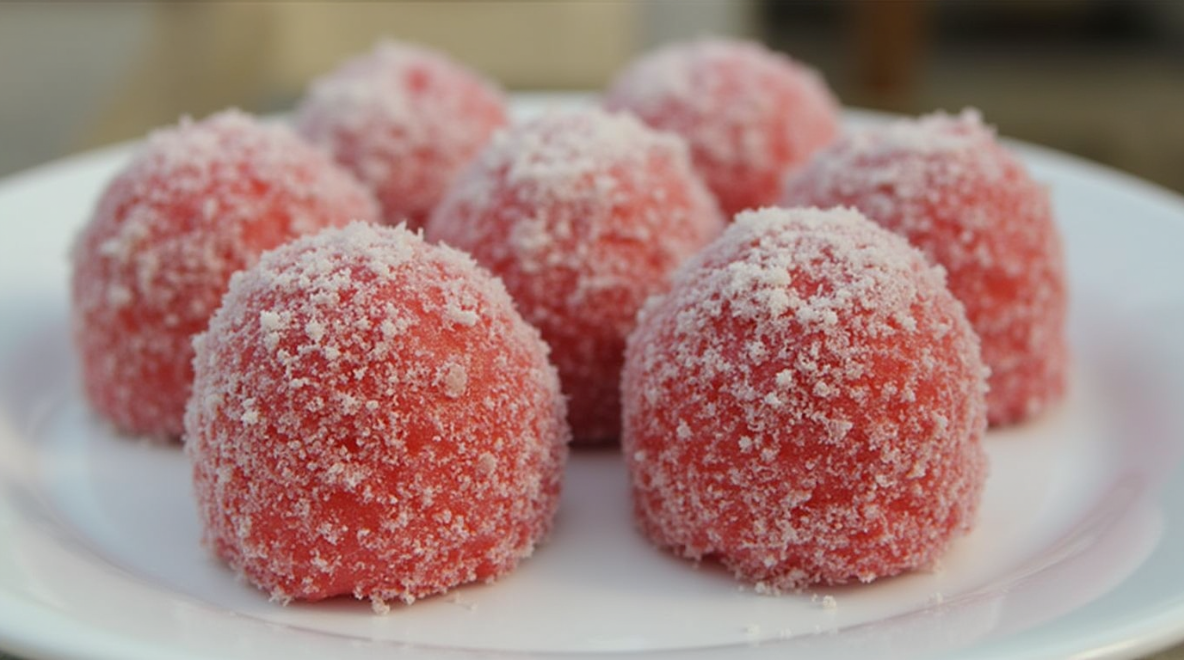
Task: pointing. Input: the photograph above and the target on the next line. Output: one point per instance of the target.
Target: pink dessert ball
(806, 404)
(750, 115)
(371, 416)
(197, 203)
(583, 215)
(945, 183)
(405, 120)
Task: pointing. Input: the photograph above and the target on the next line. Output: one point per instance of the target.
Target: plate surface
(1077, 550)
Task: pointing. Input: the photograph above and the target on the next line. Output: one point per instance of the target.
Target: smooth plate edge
(1140, 634)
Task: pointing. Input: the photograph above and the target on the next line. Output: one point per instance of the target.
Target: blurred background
(1100, 78)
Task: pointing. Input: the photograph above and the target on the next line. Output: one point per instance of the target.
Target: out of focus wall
(58, 66)
(1103, 79)
(76, 75)
(1100, 78)
(201, 57)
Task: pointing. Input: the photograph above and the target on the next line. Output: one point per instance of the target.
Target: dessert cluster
(378, 331)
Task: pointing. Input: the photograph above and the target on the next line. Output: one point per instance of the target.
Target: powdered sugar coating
(372, 417)
(946, 184)
(405, 120)
(198, 202)
(806, 404)
(750, 115)
(583, 215)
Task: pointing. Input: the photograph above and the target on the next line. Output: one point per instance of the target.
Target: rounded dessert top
(391, 87)
(946, 184)
(336, 293)
(584, 200)
(814, 292)
(404, 118)
(201, 200)
(918, 176)
(720, 94)
(231, 167)
(554, 157)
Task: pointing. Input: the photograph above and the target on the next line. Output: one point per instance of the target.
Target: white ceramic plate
(1077, 551)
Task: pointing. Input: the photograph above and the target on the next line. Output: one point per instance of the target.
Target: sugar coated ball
(751, 116)
(405, 120)
(197, 203)
(371, 416)
(583, 215)
(806, 404)
(947, 185)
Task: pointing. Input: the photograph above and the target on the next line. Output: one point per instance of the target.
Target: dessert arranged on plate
(584, 215)
(806, 403)
(377, 334)
(199, 202)
(371, 415)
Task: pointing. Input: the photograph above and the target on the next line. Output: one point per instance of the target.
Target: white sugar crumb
(486, 464)
(270, 321)
(314, 330)
(860, 402)
(455, 599)
(379, 606)
(785, 378)
(455, 380)
(829, 603)
(387, 442)
(462, 316)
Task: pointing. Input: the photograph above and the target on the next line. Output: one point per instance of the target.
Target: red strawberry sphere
(583, 215)
(199, 202)
(405, 120)
(945, 183)
(372, 417)
(750, 116)
(806, 404)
